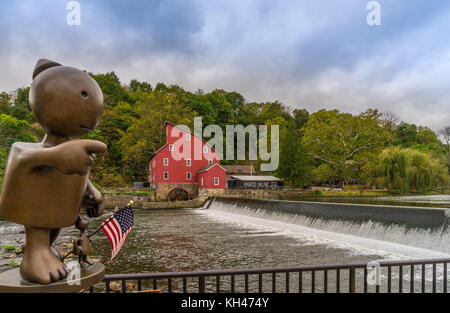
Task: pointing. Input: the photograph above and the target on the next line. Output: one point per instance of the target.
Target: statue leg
(39, 263)
(53, 235)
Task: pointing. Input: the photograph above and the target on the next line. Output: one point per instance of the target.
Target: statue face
(66, 101)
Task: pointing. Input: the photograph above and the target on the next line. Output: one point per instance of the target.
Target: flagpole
(101, 226)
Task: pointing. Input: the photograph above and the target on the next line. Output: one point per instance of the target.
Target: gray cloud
(313, 54)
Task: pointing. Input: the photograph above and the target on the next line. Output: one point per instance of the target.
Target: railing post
(445, 277)
(287, 282)
(351, 285)
(201, 284)
(434, 277)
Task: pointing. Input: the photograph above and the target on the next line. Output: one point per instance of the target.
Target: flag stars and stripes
(117, 227)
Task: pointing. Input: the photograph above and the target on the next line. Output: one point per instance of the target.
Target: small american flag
(117, 227)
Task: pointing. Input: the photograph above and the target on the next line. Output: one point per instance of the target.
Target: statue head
(65, 101)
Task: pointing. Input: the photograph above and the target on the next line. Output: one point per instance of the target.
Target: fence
(418, 276)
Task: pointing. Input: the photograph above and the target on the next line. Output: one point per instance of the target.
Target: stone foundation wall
(163, 189)
(195, 203)
(206, 192)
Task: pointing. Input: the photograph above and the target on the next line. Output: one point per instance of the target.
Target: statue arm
(93, 201)
(71, 157)
(30, 158)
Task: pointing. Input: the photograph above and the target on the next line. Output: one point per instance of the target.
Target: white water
(390, 242)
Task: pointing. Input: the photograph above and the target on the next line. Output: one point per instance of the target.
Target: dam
(414, 227)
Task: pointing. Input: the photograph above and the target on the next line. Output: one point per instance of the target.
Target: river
(237, 233)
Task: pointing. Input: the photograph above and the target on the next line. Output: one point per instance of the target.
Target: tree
(301, 117)
(12, 130)
(147, 134)
(402, 170)
(344, 142)
(223, 109)
(295, 165)
(406, 135)
(136, 85)
(3, 160)
(5, 103)
(21, 108)
(389, 120)
(425, 136)
(445, 133)
(111, 87)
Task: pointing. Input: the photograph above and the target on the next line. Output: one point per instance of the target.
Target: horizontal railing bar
(166, 275)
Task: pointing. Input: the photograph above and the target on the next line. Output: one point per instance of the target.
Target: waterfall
(424, 228)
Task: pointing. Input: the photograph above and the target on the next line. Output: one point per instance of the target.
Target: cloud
(313, 54)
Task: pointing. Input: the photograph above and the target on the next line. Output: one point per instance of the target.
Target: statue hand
(77, 156)
(92, 201)
(96, 209)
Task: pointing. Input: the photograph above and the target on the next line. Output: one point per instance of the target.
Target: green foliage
(326, 147)
(295, 165)
(12, 263)
(9, 248)
(136, 85)
(3, 160)
(112, 89)
(21, 108)
(344, 142)
(12, 130)
(402, 170)
(5, 103)
(301, 117)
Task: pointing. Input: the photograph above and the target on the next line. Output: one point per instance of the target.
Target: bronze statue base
(11, 282)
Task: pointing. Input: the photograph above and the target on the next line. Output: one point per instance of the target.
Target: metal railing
(418, 276)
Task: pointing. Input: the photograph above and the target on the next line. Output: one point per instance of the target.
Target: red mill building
(185, 177)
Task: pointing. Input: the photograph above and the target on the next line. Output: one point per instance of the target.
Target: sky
(319, 54)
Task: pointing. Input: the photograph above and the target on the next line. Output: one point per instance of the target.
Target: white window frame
(188, 175)
(170, 147)
(188, 137)
(210, 162)
(166, 174)
(188, 162)
(205, 149)
(218, 181)
(166, 161)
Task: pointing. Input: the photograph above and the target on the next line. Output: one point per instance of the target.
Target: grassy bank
(125, 190)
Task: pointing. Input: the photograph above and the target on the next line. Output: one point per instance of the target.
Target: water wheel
(178, 194)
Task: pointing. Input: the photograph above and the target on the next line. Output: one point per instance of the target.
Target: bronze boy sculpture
(46, 183)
